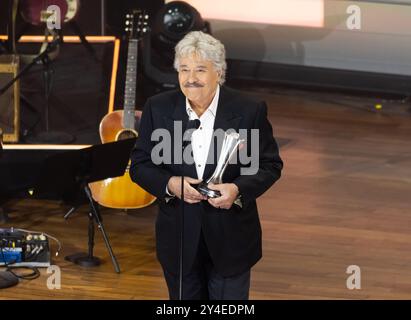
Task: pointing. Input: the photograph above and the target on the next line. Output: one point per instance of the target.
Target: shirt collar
(212, 108)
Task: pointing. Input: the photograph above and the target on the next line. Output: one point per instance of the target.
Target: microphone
(193, 124)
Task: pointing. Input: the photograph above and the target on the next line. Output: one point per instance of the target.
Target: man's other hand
(191, 195)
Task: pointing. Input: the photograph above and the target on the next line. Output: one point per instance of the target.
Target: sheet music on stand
(64, 171)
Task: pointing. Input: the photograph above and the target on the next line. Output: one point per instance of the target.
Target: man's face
(198, 79)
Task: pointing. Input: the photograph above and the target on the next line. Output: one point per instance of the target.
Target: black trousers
(204, 283)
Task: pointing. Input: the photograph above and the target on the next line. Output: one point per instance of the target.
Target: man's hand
(191, 195)
(229, 193)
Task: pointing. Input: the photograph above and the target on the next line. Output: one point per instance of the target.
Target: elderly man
(222, 240)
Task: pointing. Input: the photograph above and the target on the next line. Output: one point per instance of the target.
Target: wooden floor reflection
(344, 199)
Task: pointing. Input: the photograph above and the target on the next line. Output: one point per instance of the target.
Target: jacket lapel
(226, 118)
(180, 115)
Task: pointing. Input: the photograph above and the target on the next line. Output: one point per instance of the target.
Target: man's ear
(219, 76)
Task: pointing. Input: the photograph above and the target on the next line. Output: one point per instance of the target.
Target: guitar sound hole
(127, 134)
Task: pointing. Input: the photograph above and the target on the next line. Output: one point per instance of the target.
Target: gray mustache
(193, 85)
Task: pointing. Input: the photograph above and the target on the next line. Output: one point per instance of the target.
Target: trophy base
(206, 191)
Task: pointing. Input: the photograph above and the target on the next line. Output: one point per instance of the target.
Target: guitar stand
(89, 260)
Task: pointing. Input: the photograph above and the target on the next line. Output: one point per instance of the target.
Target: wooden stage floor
(344, 199)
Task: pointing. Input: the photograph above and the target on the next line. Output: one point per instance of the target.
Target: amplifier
(10, 100)
(20, 248)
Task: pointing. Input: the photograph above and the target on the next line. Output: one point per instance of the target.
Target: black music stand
(66, 174)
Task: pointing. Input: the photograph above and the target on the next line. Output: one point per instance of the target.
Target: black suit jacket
(233, 236)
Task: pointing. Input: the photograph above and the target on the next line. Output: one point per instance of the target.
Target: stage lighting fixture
(173, 22)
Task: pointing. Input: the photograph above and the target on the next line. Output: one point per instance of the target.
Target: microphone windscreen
(197, 123)
(193, 124)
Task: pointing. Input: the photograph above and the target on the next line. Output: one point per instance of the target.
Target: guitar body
(120, 192)
(35, 11)
(112, 129)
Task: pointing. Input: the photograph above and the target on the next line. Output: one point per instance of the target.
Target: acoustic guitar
(35, 11)
(121, 192)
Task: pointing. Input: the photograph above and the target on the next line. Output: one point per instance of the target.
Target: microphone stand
(191, 124)
(39, 59)
(48, 136)
(180, 294)
(44, 59)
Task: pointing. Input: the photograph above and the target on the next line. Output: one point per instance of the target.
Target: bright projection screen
(304, 13)
(314, 33)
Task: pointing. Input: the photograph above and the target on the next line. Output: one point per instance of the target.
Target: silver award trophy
(229, 147)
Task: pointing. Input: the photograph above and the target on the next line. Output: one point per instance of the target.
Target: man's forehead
(194, 61)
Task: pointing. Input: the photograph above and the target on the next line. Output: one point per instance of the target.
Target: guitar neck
(130, 86)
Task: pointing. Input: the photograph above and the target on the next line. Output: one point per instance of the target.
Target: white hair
(206, 46)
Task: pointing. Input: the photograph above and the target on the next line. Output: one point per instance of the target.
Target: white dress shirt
(201, 138)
